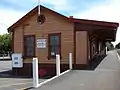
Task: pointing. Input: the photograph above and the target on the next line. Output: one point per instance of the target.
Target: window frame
(49, 46)
(25, 49)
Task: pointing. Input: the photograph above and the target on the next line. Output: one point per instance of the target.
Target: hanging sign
(41, 43)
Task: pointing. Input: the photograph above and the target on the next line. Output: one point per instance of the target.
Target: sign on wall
(41, 43)
(17, 60)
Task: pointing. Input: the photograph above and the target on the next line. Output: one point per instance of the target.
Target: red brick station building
(85, 39)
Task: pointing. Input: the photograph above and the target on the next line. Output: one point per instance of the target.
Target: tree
(117, 46)
(109, 46)
(5, 43)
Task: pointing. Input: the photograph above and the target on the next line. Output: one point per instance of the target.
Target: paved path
(16, 83)
(105, 77)
(9, 83)
(5, 65)
(110, 63)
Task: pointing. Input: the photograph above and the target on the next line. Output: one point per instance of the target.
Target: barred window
(29, 46)
(54, 45)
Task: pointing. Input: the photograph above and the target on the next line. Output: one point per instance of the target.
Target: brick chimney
(71, 18)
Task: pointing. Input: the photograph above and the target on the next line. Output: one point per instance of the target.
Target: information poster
(41, 43)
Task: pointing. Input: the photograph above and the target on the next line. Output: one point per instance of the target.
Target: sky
(103, 10)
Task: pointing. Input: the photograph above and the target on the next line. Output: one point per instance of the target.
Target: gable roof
(74, 20)
(32, 12)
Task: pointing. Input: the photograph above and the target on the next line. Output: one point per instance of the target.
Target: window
(29, 46)
(54, 45)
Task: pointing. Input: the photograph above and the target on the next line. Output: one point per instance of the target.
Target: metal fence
(6, 55)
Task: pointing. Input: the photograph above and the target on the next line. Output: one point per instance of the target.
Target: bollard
(58, 65)
(106, 50)
(70, 61)
(35, 73)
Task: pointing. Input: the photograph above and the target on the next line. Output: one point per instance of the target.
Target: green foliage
(109, 46)
(5, 43)
(117, 46)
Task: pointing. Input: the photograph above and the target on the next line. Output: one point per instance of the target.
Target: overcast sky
(103, 10)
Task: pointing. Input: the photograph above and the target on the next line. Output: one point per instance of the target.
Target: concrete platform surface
(105, 77)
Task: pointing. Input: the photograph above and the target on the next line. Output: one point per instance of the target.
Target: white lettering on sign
(41, 43)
